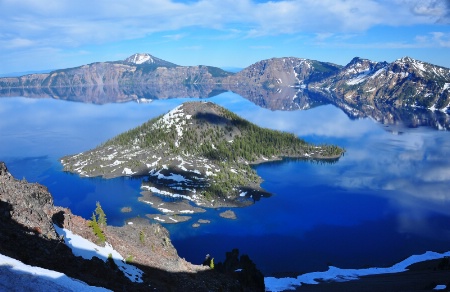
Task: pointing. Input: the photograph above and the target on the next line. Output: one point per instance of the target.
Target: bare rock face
(30, 80)
(28, 204)
(137, 69)
(282, 73)
(27, 234)
(403, 83)
(27, 215)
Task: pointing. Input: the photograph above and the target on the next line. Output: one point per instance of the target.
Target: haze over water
(385, 199)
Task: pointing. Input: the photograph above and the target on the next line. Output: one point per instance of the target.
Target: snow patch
(172, 176)
(419, 65)
(141, 58)
(30, 278)
(87, 250)
(128, 171)
(359, 79)
(117, 162)
(446, 86)
(337, 274)
(165, 193)
(378, 73)
(176, 118)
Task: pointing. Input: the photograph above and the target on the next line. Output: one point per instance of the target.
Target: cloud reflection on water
(398, 179)
(411, 170)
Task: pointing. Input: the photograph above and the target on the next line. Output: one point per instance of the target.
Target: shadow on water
(353, 247)
(321, 161)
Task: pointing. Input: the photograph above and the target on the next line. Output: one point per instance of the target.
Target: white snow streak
(87, 250)
(17, 276)
(337, 274)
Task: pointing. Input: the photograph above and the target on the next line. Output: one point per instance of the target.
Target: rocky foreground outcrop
(27, 233)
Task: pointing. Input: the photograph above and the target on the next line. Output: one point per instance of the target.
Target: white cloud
(17, 43)
(28, 27)
(323, 36)
(72, 23)
(430, 40)
(431, 8)
(443, 39)
(174, 37)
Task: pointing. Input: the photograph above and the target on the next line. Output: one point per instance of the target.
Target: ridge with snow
(404, 83)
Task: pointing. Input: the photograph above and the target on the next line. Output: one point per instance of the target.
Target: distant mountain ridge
(405, 82)
(135, 70)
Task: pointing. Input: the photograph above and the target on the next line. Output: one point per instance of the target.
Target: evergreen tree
(100, 214)
(97, 230)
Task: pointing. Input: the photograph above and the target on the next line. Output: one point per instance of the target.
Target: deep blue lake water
(386, 199)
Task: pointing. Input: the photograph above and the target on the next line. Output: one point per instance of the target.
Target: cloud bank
(67, 23)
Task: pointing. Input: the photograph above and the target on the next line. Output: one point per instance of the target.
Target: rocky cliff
(403, 83)
(282, 72)
(134, 70)
(27, 233)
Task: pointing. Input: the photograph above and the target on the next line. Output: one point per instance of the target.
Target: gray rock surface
(29, 204)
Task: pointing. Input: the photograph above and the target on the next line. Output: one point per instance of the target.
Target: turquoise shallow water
(386, 199)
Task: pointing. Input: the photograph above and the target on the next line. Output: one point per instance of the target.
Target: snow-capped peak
(140, 58)
(406, 59)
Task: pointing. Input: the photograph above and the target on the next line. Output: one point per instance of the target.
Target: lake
(386, 199)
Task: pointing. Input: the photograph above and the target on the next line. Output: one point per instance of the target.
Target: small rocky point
(27, 215)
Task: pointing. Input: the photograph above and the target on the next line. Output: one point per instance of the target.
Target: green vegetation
(129, 259)
(322, 70)
(100, 214)
(142, 237)
(97, 222)
(97, 230)
(217, 72)
(250, 142)
(227, 143)
(325, 67)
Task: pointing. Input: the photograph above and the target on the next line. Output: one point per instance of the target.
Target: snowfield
(341, 275)
(16, 276)
(87, 250)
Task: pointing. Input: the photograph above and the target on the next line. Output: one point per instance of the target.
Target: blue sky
(53, 34)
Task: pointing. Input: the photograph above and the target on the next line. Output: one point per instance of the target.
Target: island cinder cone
(198, 151)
